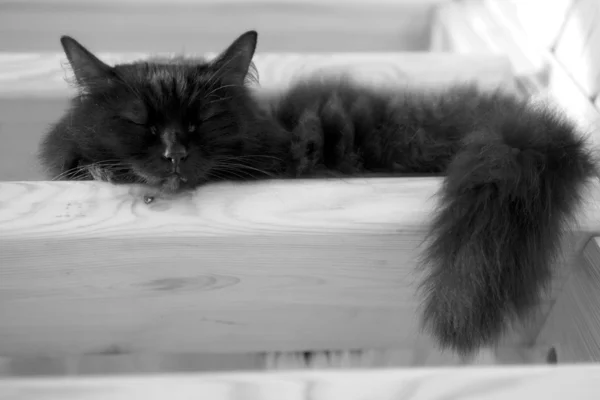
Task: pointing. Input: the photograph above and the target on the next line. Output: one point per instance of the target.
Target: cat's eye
(136, 122)
(153, 130)
(135, 113)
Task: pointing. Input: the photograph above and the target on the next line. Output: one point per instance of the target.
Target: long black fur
(515, 172)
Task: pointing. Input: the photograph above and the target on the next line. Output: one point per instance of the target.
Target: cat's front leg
(307, 144)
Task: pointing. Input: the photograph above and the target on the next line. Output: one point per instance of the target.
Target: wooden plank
(579, 382)
(270, 2)
(33, 92)
(42, 74)
(574, 322)
(207, 25)
(87, 268)
(110, 282)
(420, 354)
(127, 364)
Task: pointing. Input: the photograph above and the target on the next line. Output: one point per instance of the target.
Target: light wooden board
(548, 383)
(207, 25)
(89, 268)
(420, 354)
(203, 2)
(574, 322)
(43, 74)
(254, 263)
(33, 91)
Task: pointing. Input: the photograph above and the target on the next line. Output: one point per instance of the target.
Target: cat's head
(166, 123)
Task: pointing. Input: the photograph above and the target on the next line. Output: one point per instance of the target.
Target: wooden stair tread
(42, 74)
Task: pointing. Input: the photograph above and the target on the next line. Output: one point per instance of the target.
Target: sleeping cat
(514, 172)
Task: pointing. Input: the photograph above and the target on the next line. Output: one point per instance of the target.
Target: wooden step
(550, 383)
(153, 363)
(160, 25)
(33, 91)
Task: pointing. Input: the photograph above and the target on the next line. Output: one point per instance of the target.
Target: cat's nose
(175, 154)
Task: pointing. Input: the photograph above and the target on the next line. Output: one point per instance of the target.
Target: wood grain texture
(37, 75)
(89, 268)
(419, 354)
(200, 25)
(549, 383)
(574, 322)
(204, 2)
(129, 364)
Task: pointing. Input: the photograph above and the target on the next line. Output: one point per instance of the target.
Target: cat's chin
(173, 184)
(168, 185)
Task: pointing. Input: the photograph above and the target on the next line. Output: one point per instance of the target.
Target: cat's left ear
(233, 64)
(88, 69)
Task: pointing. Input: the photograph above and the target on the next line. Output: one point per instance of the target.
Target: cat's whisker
(223, 167)
(76, 173)
(236, 174)
(241, 168)
(214, 174)
(113, 167)
(249, 157)
(233, 171)
(260, 171)
(69, 173)
(218, 100)
(75, 176)
(218, 88)
(215, 77)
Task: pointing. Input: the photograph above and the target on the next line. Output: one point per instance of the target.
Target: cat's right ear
(234, 63)
(88, 69)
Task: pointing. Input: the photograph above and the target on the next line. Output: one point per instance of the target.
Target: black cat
(514, 172)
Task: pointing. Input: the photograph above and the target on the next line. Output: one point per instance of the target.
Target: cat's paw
(307, 144)
(337, 125)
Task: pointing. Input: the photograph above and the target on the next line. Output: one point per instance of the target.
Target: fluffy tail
(509, 196)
